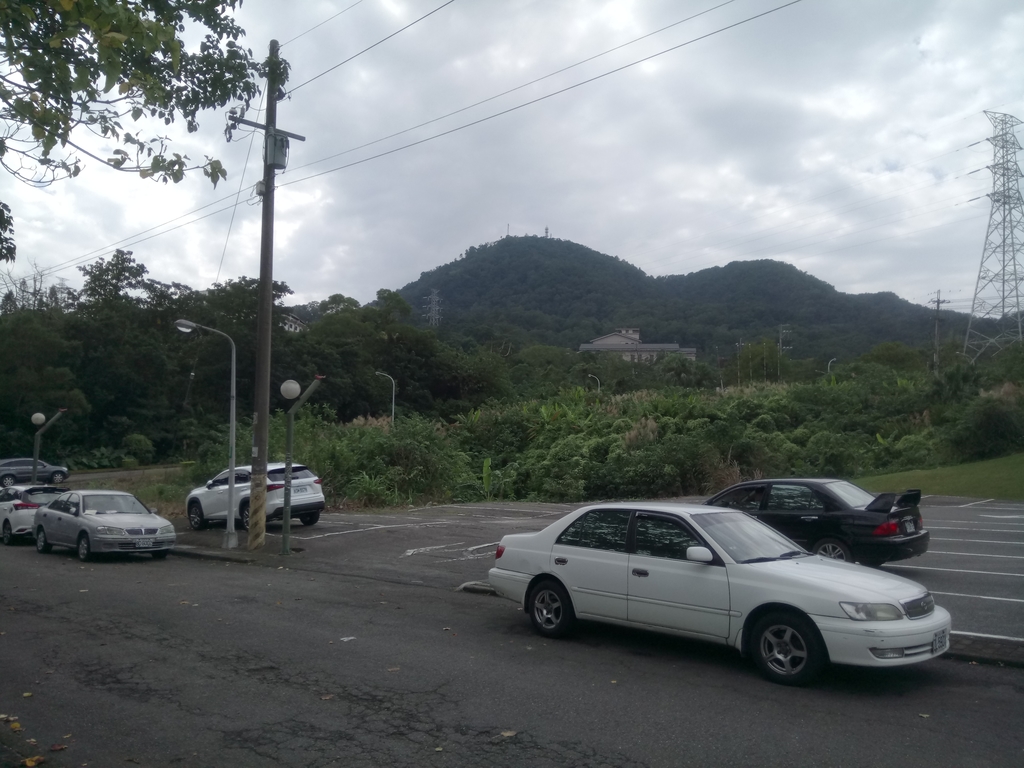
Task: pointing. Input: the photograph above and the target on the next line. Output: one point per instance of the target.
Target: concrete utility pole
(939, 301)
(275, 158)
(783, 330)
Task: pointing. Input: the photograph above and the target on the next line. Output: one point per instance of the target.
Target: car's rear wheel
(833, 548)
(196, 519)
(57, 477)
(42, 545)
(84, 549)
(7, 480)
(787, 648)
(243, 513)
(550, 609)
(8, 533)
(310, 518)
(159, 554)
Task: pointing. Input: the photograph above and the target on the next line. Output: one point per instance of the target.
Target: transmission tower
(433, 306)
(997, 294)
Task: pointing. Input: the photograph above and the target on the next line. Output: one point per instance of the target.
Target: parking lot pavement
(975, 565)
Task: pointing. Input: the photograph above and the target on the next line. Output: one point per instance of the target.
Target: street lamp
(828, 368)
(290, 390)
(597, 380)
(230, 536)
(379, 373)
(40, 421)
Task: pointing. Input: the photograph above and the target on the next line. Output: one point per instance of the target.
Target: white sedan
(718, 575)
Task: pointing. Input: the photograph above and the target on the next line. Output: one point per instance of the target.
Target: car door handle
(640, 572)
(561, 560)
(810, 517)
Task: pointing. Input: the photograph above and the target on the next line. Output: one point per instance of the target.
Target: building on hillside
(292, 324)
(626, 343)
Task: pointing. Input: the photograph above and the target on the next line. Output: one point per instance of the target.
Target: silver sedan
(102, 521)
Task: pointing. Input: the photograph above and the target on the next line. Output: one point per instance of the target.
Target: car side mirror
(209, 486)
(153, 510)
(699, 554)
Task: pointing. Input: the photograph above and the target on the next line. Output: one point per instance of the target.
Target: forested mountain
(549, 291)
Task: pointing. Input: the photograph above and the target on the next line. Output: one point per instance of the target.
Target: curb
(1005, 653)
(202, 553)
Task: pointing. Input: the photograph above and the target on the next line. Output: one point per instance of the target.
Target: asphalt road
(357, 651)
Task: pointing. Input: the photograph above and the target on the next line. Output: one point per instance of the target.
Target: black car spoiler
(887, 501)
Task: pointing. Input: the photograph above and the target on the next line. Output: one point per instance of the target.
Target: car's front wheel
(84, 549)
(787, 648)
(42, 545)
(8, 480)
(310, 518)
(833, 548)
(550, 609)
(8, 533)
(196, 519)
(58, 477)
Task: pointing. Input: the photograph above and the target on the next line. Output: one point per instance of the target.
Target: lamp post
(40, 421)
(290, 390)
(828, 368)
(380, 373)
(230, 536)
(592, 376)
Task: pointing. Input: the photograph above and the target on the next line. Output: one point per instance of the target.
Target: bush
(138, 447)
(989, 427)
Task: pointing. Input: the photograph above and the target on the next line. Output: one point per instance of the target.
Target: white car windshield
(745, 539)
(100, 504)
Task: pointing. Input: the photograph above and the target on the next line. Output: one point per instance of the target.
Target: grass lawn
(995, 479)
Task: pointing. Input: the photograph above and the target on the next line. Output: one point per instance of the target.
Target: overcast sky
(830, 134)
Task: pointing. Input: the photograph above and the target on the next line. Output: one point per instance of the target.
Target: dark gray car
(93, 522)
(14, 471)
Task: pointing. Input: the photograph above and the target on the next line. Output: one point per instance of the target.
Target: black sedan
(834, 518)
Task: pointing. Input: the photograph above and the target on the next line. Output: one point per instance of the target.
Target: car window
(41, 495)
(747, 498)
(852, 494)
(599, 529)
(111, 504)
(792, 498)
(298, 473)
(6, 494)
(221, 479)
(659, 537)
(22, 463)
(743, 537)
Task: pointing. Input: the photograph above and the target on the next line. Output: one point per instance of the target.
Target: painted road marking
(430, 549)
(1004, 517)
(988, 637)
(371, 528)
(971, 504)
(950, 570)
(975, 554)
(985, 530)
(979, 541)
(471, 554)
(981, 597)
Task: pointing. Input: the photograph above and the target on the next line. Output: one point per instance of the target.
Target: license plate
(940, 641)
(908, 526)
(143, 543)
(300, 489)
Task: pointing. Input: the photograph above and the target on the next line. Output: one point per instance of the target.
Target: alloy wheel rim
(784, 650)
(833, 551)
(83, 548)
(548, 609)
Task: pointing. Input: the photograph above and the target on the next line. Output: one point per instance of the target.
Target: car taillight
(25, 505)
(499, 551)
(888, 528)
(318, 481)
(275, 487)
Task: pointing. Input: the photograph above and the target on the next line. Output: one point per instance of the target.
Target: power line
(517, 88)
(370, 48)
(545, 97)
(317, 26)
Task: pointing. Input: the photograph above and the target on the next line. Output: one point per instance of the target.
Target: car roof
(102, 492)
(38, 487)
(671, 507)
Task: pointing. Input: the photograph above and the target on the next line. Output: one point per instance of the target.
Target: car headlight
(108, 531)
(872, 611)
(167, 530)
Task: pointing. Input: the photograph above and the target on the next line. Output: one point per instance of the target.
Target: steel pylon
(995, 320)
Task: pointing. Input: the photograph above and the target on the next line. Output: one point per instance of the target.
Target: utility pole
(997, 294)
(275, 157)
(939, 301)
(783, 331)
(433, 314)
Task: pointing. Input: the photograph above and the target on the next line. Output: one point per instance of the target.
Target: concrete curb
(204, 553)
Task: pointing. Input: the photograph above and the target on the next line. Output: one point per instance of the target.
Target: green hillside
(548, 291)
(995, 479)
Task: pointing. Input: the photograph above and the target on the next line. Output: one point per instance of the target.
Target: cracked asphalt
(188, 662)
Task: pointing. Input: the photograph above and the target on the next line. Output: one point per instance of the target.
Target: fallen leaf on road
(67, 736)
(508, 734)
(446, 629)
(58, 747)
(33, 742)
(184, 602)
(33, 761)
(26, 695)
(924, 715)
(390, 669)
(438, 749)
(347, 639)
(327, 697)
(16, 727)
(83, 590)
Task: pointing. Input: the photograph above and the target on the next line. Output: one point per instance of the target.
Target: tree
(74, 66)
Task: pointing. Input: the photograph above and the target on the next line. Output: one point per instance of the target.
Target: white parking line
(979, 541)
(975, 554)
(371, 528)
(1004, 517)
(985, 530)
(971, 504)
(987, 637)
(951, 570)
(430, 549)
(977, 522)
(981, 597)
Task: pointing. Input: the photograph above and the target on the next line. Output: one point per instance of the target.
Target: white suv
(210, 502)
